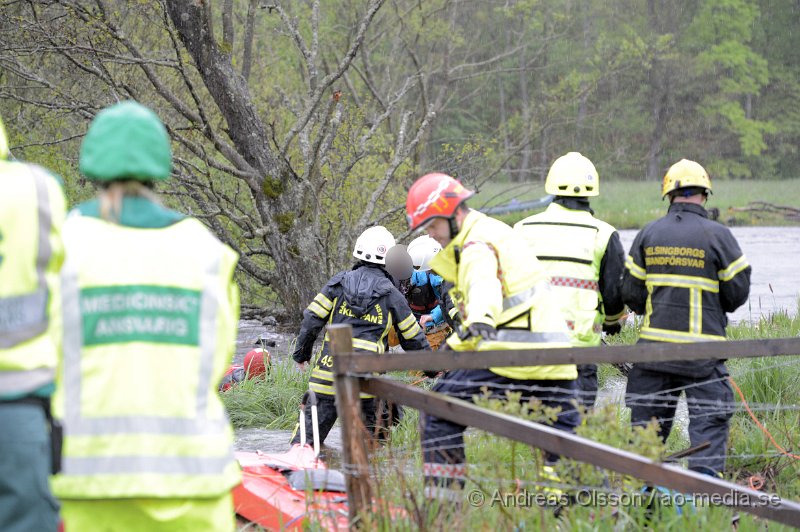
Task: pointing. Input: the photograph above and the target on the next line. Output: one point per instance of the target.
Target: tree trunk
(293, 246)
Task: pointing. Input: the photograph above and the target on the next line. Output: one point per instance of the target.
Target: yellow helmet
(3, 141)
(572, 175)
(684, 174)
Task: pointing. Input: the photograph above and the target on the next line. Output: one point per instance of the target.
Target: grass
(632, 204)
(270, 403)
(771, 386)
(506, 473)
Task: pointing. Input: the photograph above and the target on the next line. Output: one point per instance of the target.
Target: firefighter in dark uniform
(583, 256)
(366, 298)
(684, 272)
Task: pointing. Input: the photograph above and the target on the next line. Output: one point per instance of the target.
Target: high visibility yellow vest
(32, 210)
(150, 321)
(570, 245)
(498, 280)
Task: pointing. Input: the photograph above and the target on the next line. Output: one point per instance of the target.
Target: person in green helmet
(150, 315)
(32, 210)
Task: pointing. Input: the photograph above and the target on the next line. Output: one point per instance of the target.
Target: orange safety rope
(757, 422)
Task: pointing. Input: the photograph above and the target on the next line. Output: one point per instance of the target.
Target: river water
(773, 252)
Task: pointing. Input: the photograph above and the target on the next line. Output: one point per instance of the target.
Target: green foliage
(771, 386)
(285, 221)
(272, 187)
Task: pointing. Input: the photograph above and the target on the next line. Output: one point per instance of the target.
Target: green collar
(136, 212)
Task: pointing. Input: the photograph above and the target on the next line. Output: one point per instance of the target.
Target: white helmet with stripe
(373, 244)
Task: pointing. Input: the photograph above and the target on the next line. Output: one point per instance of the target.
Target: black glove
(481, 330)
(612, 328)
(431, 374)
(300, 356)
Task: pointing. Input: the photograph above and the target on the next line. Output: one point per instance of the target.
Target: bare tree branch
(227, 24)
(249, 32)
(316, 94)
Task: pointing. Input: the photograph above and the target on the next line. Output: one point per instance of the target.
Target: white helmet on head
(373, 244)
(422, 249)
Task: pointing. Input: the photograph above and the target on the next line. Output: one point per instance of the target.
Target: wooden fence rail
(351, 373)
(650, 352)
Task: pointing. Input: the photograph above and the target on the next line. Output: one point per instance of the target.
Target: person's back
(505, 302)
(583, 256)
(572, 259)
(367, 299)
(151, 313)
(32, 210)
(691, 265)
(683, 273)
(512, 287)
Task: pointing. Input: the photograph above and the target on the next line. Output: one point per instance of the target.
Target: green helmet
(126, 141)
(3, 141)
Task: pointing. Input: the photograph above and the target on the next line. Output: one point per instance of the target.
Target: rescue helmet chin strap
(453, 227)
(453, 232)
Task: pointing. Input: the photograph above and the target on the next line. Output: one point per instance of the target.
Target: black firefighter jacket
(367, 299)
(683, 273)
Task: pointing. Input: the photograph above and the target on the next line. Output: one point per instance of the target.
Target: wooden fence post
(354, 435)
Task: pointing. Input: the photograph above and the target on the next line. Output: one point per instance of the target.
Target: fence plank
(354, 435)
(571, 446)
(645, 352)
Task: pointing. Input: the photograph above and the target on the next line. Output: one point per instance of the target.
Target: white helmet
(422, 249)
(372, 245)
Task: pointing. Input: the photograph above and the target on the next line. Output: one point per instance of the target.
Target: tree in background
(297, 124)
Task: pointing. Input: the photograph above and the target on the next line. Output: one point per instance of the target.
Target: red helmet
(255, 362)
(433, 196)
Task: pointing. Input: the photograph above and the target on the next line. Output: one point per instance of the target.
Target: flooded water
(277, 441)
(773, 252)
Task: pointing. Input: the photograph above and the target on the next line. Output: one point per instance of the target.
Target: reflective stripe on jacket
(150, 321)
(32, 210)
(499, 281)
(365, 298)
(572, 245)
(684, 272)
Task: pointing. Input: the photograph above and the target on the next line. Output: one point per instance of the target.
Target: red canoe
(290, 490)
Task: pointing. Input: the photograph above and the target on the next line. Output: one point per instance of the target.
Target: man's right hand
(425, 319)
(301, 366)
(481, 330)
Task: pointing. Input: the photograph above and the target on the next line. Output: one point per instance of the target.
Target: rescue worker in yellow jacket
(150, 310)
(583, 256)
(505, 302)
(32, 209)
(683, 273)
